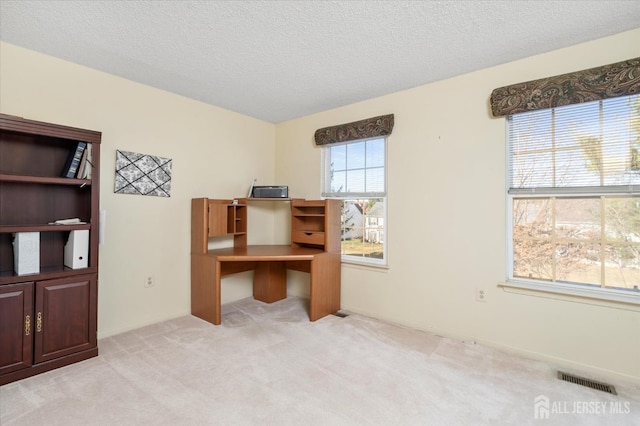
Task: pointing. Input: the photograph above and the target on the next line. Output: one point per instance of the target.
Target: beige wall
(215, 153)
(446, 219)
(444, 240)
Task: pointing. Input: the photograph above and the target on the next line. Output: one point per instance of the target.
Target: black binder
(73, 160)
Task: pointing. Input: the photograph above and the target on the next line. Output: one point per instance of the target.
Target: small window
(355, 172)
(574, 194)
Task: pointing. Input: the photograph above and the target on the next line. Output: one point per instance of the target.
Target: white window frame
(561, 289)
(328, 194)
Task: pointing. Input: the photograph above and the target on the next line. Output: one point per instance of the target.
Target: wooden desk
(270, 264)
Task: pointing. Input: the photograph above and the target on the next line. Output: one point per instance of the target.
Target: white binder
(26, 253)
(76, 251)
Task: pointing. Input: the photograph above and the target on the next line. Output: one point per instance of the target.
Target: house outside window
(574, 195)
(355, 172)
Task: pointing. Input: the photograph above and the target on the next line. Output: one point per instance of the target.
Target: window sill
(576, 293)
(375, 267)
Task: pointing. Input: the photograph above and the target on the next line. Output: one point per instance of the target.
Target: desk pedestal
(270, 281)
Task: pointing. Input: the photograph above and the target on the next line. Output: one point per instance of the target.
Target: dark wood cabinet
(48, 318)
(65, 317)
(16, 327)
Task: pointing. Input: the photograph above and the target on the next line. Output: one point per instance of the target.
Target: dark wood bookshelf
(33, 195)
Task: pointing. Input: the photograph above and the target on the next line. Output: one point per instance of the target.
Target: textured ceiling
(278, 60)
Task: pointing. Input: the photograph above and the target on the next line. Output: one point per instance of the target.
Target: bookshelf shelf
(44, 180)
(10, 229)
(48, 273)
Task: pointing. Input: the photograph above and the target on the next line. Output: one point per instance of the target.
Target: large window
(355, 172)
(574, 195)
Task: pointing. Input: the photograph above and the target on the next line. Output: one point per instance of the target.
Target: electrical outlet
(481, 295)
(149, 281)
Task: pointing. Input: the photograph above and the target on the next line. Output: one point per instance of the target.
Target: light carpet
(268, 365)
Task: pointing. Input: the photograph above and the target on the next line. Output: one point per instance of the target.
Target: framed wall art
(142, 174)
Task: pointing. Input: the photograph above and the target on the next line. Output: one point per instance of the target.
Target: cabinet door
(65, 316)
(16, 327)
(218, 220)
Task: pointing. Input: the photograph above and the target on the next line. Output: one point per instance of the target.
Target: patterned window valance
(369, 128)
(608, 81)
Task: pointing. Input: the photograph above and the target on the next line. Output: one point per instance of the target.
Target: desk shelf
(316, 223)
(212, 218)
(245, 200)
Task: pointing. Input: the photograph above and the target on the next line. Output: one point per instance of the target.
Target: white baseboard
(590, 371)
(134, 326)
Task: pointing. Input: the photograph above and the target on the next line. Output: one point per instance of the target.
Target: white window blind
(592, 147)
(355, 169)
(573, 185)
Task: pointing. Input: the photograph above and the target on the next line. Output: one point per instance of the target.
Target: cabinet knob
(27, 325)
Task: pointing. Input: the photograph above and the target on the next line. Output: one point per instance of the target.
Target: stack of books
(78, 164)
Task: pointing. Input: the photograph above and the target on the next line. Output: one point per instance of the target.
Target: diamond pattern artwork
(142, 174)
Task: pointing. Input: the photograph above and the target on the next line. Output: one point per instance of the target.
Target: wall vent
(604, 387)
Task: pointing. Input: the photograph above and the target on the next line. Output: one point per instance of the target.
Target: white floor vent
(604, 387)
